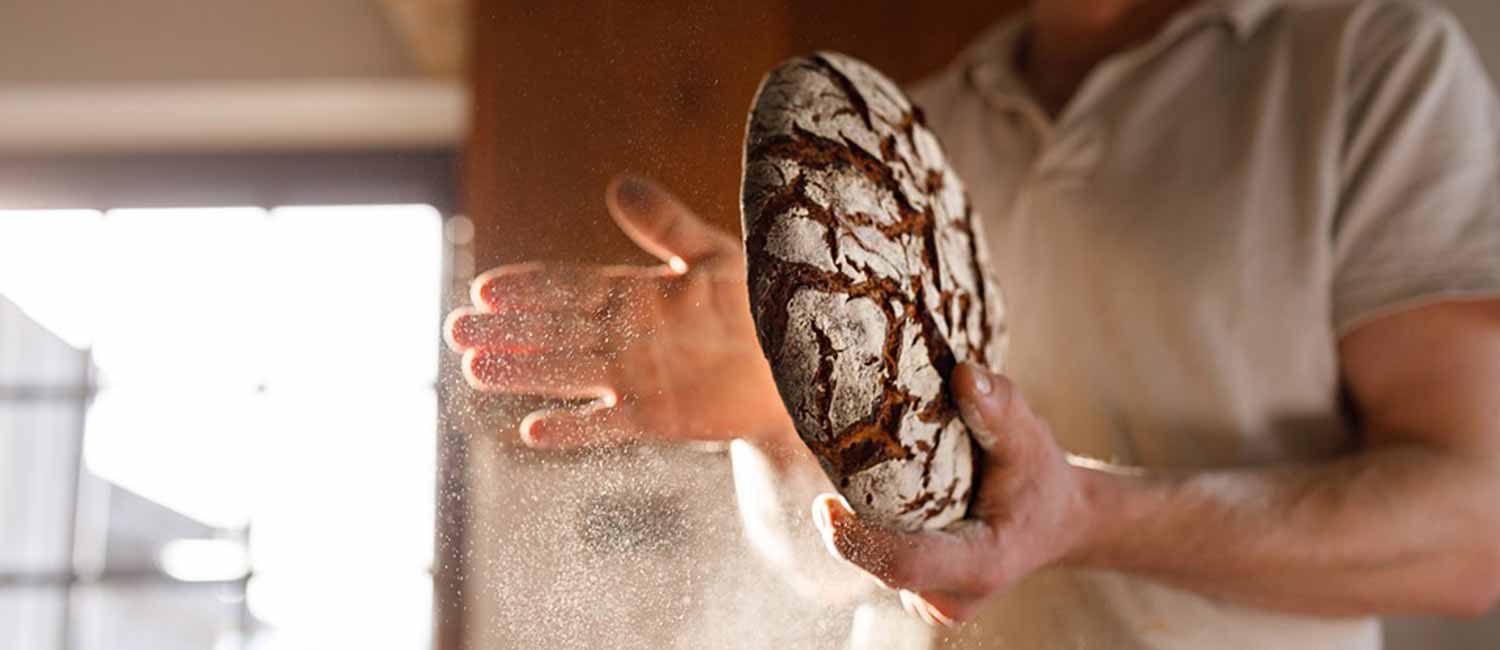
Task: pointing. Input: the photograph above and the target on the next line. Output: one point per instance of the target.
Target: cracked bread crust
(868, 285)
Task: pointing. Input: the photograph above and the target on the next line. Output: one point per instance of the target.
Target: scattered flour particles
(868, 285)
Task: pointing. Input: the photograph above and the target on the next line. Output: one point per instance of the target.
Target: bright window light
(351, 467)
(358, 295)
(204, 560)
(194, 451)
(48, 268)
(182, 295)
(269, 371)
(342, 542)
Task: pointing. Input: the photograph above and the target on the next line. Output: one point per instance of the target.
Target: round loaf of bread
(868, 285)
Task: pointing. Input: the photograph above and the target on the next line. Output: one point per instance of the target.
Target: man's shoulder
(1373, 23)
(1359, 45)
(1385, 41)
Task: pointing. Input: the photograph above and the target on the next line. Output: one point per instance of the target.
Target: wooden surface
(567, 94)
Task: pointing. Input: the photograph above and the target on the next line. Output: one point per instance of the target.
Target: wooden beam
(237, 115)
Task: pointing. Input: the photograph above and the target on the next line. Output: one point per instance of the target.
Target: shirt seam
(1382, 295)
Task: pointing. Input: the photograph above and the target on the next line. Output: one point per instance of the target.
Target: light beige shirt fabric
(1182, 248)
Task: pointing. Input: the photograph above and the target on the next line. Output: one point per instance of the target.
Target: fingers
(589, 290)
(941, 575)
(661, 225)
(533, 332)
(946, 608)
(534, 286)
(992, 408)
(914, 605)
(601, 423)
(938, 607)
(554, 330)
(927, 560)
(582, 374)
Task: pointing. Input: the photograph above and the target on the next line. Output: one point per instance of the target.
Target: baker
(1250, 251)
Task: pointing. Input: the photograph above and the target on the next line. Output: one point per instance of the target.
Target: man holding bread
(1250, 251)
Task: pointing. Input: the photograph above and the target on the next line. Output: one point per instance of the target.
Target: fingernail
(820, 516)
(823, 520)
(977, 427)
(460, 326)
(829, 508)
(914, 605)
(634, 193)
(488, 294)
(941, 618)
(468, 367)
(530, 433)
(982, 382)
(907, 603)
(838, 507)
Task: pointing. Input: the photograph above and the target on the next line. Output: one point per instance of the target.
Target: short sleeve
(1418, 209)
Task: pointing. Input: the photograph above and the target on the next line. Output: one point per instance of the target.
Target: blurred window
(217, 427)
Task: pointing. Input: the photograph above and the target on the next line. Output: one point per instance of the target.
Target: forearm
(1402, 528)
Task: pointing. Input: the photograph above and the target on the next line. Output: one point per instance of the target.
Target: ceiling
(227, 74)
(153, 40)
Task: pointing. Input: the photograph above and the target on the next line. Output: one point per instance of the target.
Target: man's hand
(1024, 517)
(1405, 524)
(667, 352)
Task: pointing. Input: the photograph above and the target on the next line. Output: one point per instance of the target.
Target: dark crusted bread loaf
(867, 284)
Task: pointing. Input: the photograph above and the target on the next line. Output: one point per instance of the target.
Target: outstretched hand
(1027, 514)
(666, 352)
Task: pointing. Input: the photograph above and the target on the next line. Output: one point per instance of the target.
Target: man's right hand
(667, 352)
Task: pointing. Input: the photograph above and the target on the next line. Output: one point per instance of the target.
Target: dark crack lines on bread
(927, 294)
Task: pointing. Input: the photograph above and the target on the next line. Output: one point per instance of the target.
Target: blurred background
(228, 233)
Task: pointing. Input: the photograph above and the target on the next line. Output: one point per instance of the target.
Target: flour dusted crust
(867, 284)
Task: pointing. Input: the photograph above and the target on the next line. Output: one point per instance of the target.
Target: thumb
(661, 225)
(992, 408)
(930, 559)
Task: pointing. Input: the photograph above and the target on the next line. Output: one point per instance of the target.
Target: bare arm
(1410, 523)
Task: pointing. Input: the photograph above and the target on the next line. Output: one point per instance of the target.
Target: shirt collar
(989, 63)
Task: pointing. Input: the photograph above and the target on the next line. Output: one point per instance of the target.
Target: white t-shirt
(1182, 248)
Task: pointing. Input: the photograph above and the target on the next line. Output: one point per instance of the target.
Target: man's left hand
(1029, 513)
